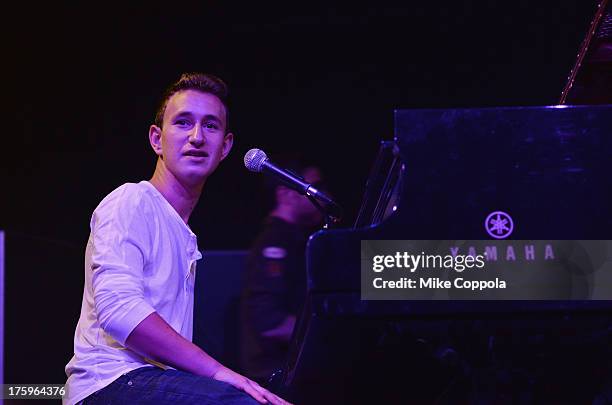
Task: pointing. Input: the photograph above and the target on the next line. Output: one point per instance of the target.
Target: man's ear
(155, 139)
(228, 141)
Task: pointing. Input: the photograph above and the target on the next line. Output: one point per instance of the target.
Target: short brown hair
(206, 83)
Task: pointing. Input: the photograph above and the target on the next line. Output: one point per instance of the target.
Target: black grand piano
(438, 179)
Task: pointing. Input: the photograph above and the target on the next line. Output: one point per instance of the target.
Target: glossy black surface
(550, 169)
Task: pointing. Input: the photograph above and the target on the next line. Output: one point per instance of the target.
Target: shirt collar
(168, 206)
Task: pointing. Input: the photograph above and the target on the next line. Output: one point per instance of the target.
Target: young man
(133, 339)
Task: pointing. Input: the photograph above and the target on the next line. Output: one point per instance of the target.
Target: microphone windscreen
(254, 159)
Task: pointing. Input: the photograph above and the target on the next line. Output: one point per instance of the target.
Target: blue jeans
(152, 385)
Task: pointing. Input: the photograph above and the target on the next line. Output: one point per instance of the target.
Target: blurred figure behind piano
(275, 283)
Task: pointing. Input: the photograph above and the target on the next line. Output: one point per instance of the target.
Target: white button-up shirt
(140, 258)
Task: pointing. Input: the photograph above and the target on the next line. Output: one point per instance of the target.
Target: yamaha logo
(499, 225)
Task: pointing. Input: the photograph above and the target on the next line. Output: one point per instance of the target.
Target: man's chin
(194, 178)
(194, 175)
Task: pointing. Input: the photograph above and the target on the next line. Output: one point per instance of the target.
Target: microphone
(256, 160)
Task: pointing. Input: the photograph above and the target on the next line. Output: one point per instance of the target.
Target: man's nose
(196, 137)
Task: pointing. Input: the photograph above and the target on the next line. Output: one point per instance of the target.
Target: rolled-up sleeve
(121, 243)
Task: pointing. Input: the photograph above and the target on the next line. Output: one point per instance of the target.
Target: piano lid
(590, 81)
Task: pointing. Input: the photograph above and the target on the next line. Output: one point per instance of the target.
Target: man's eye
(211, 125)
(182, 123)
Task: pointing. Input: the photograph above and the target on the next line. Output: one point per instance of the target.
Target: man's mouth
(196, 153)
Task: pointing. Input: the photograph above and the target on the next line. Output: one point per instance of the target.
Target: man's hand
(261, 394)
(155, 339)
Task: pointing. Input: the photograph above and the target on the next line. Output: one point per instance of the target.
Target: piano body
(445, 170)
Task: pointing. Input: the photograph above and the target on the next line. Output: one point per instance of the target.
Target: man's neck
(182, 197)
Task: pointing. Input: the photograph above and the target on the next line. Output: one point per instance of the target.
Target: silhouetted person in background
(275, 284)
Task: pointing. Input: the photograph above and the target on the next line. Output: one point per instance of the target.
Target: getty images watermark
(412, 263)
(486, 270)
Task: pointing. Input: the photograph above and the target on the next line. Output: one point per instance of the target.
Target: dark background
(317, 82)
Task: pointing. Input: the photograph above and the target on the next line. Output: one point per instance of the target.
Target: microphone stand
(331, 219)
(331, 212)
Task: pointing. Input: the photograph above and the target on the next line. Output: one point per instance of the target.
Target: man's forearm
(155, 339)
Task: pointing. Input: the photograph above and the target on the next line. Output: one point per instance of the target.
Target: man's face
(192, 140)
